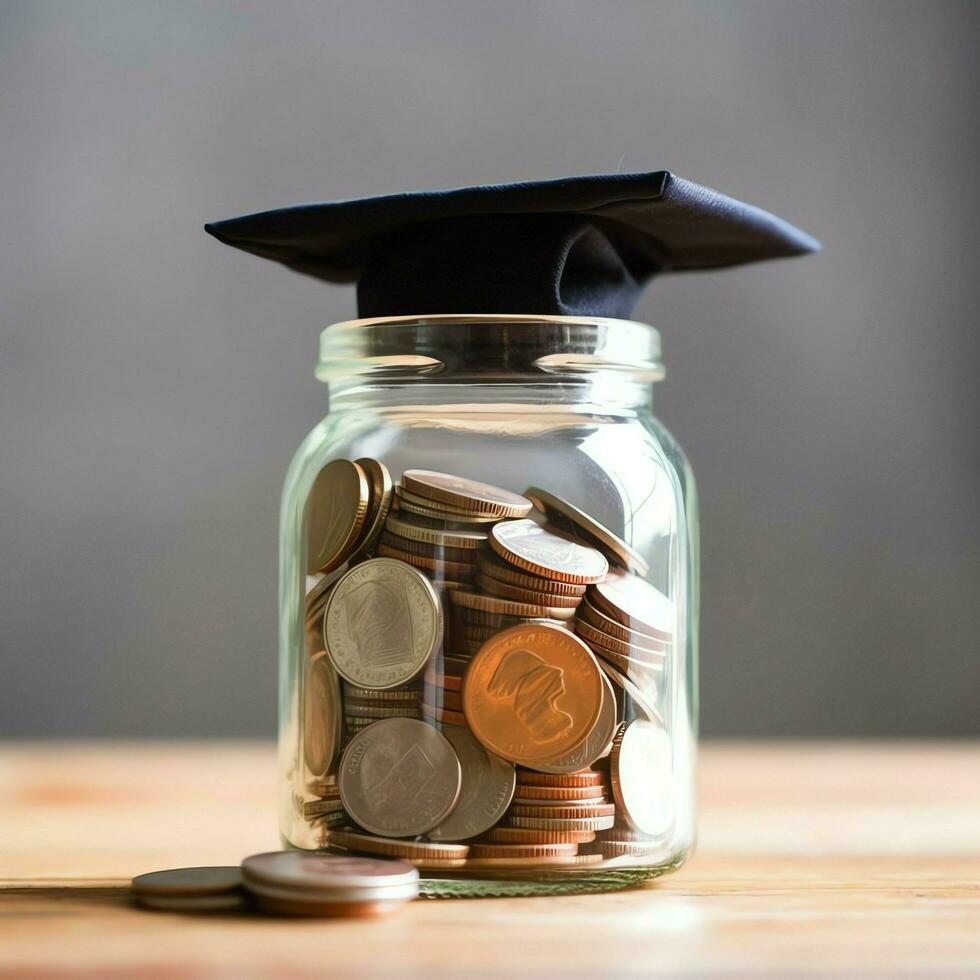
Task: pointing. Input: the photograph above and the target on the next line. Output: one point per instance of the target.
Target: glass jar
(521, 717)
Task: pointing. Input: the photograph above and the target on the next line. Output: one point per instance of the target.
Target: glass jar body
(593, 442)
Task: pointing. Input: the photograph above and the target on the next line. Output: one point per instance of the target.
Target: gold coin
(466, 495)
(517, 835)
(496, 568)
(635, 603)
(567, 516)
(437, 553)
(383, 623)
(504, 591)
(413, 850)
(321, 716)
(434, 565)
(641, 768)
(379, 481)
(541, 551)
(532, 694)
(493, 604)
(403, 503)
(565, 823)
(615, 630)
(335, 512)
(415, 531)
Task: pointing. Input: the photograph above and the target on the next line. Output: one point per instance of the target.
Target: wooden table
(816, 858)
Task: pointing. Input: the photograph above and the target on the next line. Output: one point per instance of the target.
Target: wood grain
(815, 858)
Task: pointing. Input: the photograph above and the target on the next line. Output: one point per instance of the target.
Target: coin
(532, 694)
(379, 504)
(494, 567)
(443, 715)
(505, 607)
(589, 794)
(576, 779)
(321, 716)
(569, 811)
(598, 742)
(521, 850)
(564, 514)
(618, 848)
(635, 603)
(277, 905)
(528, 596)
(382, 624)
(565, 823)
(412, 530)
(354, 693)
(498, 620)
(643, 697)
(615, 630)
(487, 788)
(451, 682)
(542, 552)
(454, 568)
(517, 835)
(642, 777)
(514, 863)
(216, 889)
(316, 808)
(399, 778)
(405, 503)
(335, 513)
(591, 635)
(397, 848)
(327, 786)
(438, 697)
(354, 710)
(436, 552)
(645, 674)
(301, 869)
(466, 495)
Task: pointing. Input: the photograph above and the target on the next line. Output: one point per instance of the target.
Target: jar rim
(489, 348)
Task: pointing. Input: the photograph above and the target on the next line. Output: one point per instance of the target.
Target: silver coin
(486, 791)
(642, 777)
(399, 778)
(324, 872)
(382, 624)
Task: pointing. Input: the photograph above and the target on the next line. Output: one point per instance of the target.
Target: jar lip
(489, 348)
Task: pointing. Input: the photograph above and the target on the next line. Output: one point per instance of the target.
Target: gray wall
(153, 384)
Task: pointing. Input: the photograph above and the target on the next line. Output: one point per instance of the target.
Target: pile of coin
(476, 677)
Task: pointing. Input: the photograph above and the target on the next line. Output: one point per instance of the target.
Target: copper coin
(615, 630)
(520, 800)
(504, 591)
(435, 552)
(451, 682)
(405, 504)
(635, 603)
(328, 910)
(642, 777)
(487, 789)
(399, 778)
(543, 552)
(505, 607)
(591, 635)
(382, 624)
(564, 514)
(466, 495)
(513, 863)
(335, 512)
(456, 666)
(324, 872)
(446, 511)
(440, 698)
(467, 540)
(442, 715)
(516, 835)
(431, 565)
(564, 823)
(413, 850)
(380, 484)
(496, 568)
(321, 716)
(497, 620)
(532, 693)
(562, 793)
(571, 811)
(521, 850)
(576, 779)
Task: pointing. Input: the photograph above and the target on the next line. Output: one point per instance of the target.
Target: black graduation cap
(580, 246)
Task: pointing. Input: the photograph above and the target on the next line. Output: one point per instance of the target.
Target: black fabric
(579, 245)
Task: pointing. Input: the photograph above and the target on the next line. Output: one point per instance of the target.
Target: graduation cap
(578, 246)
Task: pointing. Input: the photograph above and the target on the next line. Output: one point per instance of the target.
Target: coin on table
(381, 487)
(321, 716)
(414, 531)
(502, 590)
(506, 607)
(487, 788)
(399, 778)
(642, 777)
(190, 889)
(532, 694)
(335, 512)
(382, 624)
(567, 516)
(597, 744)
(541, 551)
(492, 566)
(466, 495)
(634, 602)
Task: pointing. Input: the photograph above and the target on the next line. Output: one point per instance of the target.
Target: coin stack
(476, 677)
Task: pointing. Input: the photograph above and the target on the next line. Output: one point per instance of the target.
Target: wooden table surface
(840, 859)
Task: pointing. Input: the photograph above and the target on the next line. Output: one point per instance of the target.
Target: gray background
(154, 384)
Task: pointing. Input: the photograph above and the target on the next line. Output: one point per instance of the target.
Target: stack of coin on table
(481, 687)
